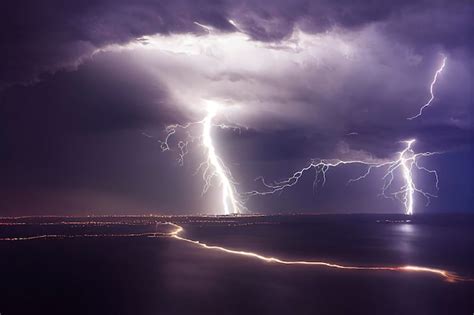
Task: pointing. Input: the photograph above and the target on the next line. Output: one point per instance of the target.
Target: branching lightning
(213, 167)
(405, 162)
(435, 78)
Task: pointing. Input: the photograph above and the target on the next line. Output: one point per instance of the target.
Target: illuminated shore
(175, 231)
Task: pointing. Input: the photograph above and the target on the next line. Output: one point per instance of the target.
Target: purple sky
(80, 83)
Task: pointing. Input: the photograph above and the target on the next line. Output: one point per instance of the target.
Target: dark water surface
(162, 275)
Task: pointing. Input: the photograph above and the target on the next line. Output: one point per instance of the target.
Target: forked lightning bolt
(405, 162)
(213, 167)
(435, 78)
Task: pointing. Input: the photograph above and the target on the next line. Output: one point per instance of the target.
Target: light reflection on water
(407, 234)
(408, 229)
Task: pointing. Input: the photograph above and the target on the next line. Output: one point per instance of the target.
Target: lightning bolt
(435, 78)
(405, 162)
(213, 166)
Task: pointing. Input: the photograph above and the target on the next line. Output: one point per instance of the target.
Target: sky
(88, 87)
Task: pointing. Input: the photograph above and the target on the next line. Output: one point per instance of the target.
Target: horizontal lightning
(405, 161)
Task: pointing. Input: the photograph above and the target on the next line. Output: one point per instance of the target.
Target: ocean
(280, 264)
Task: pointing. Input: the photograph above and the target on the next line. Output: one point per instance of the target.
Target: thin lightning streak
(320, 166)
(405, 162)
(213, 166)
(182, 144)
(435, 78)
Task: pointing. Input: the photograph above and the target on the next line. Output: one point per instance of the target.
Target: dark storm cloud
(74, 141)
(41, 36)
(38, 36)
(434, 23)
